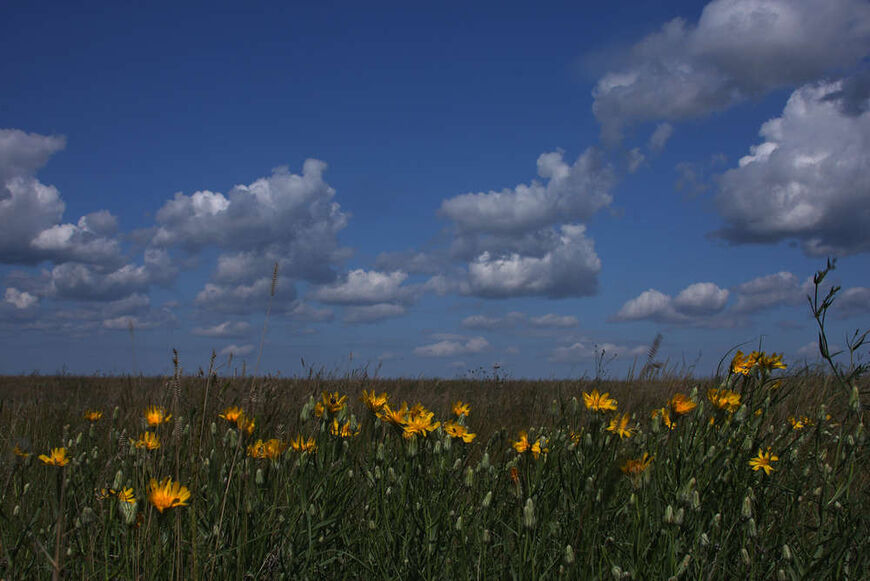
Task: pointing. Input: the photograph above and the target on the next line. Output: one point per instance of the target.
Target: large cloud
(773, 290)
(568, 267)
(571, 193)
(286, 218)
(736, 50)
(27, 206)
(31, 211)
(809, 180)
(521, 241)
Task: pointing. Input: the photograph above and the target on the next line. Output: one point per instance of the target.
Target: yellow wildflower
(461, 409)
(300, 445)
(619, 425)
(93, 415)
(799, 423)
(374, 402)
(148, 440)
(417, 410)
(523, 445)
(538, 447)
(395, 417)
(246, 424)
(763, 461)
(665, 413)
(742, 364)
(724, 399)
(455, 430)
(231, 414)
(681, 404)
(319, 409)
(156, 415)
(771, 362)
(18, 451)
(636, 467)
(343, 431)
(57, 457)
(419, 423)
(333, 401)
(599, 402)
(167, 494)
(126, 495)
(270, 449)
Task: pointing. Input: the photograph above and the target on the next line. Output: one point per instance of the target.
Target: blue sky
(444, 188)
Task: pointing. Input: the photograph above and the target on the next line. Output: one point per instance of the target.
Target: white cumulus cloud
(360, 287)
(225, 329)
(453, 347)
(807, 180)
(571, 193)
(569, 267)
(19, 299)
(738, 49)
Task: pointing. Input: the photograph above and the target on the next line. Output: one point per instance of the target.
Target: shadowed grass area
(379, 505)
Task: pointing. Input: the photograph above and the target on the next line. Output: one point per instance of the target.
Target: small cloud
(20, 299)
(585, 351)
(482, 322)
(237, 350)
(554, 321)
(372, 313)
(451, 348)
(660, 136)
(225, 329)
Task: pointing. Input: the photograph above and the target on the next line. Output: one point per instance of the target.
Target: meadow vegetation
(759, 473)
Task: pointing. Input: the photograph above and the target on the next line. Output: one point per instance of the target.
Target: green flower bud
(569, 554)
(669, 514)
(128, 512)
(118, 482)
(746, 508)
(529, 520)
